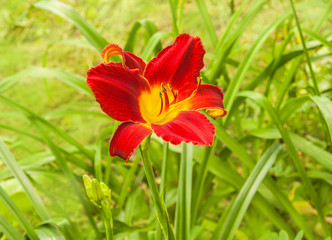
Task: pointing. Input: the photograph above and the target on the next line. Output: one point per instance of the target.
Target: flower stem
(159, 203)
(108, 221)
(163, 180)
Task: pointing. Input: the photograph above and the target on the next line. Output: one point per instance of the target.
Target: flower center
(159, 105)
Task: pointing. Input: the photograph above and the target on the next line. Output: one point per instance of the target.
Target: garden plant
(154, 119)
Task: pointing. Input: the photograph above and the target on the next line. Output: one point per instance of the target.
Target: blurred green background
(43, 65)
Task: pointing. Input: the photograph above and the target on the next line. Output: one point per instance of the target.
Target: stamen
(166, 100)
(161, 104)
(174, 93)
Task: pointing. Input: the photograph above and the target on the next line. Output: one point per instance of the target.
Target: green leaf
(325, 105)
(245, 63)
(243, 199)
(307, 56)
(67, 12)
(264, 103)
(230, 36)
(152, 44)
(183, 204)
(17, 214)
(207, 21)
(150, 29)
(239, 150)
(66, 170)
(73, 80)
(18, 173)
(9, 230)
(320, 155)
(31, 116)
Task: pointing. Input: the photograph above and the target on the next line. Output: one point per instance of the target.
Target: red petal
(188, 126)
(130, 60)
(178, 64)
(117, 90)
(209, 97)
(126, 139)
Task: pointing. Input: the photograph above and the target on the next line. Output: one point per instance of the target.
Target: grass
(268, 174)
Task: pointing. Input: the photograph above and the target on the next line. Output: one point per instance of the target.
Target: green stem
(162, 214)
(305, 49)
(108, 221)
(163, 180)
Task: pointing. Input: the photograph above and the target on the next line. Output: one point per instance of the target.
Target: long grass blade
(207, 21)
(247, 192)
(238, 149)
(8, 230)
(197, 192)
(31, 116)
(17, 214)
(150, 29)
(64, 167)
(263, 102)
(67, 12)
(222, 170)
(73, 80)
(305, 49)
(240, 73)
(21, 177)
(183, 204)
(323, 157)
(325, 105)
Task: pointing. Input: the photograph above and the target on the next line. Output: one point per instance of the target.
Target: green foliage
(268, 174)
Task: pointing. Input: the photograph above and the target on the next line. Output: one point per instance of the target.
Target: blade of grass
(21, 177)
(73, 80)
(150, 29)
(183, 204)
(243, 199)
(248, 58)
(207, 21)
(197, 192)
(8, 230)
(286, 83)
(152, 44)
(174, 9)
(263, 102)
(305, 50)
(318, 37)
(17, 214)
(240, 151)
(32, 116)
(67, 12)
(230, 37)
(223, 170)
(320, 155)
(320, 22)
(325, 106)
(68, 173)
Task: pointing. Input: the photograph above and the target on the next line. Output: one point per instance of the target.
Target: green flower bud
(97, 194)
(87, 185)
(106, 191)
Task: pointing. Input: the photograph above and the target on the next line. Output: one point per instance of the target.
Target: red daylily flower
(162, 96)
